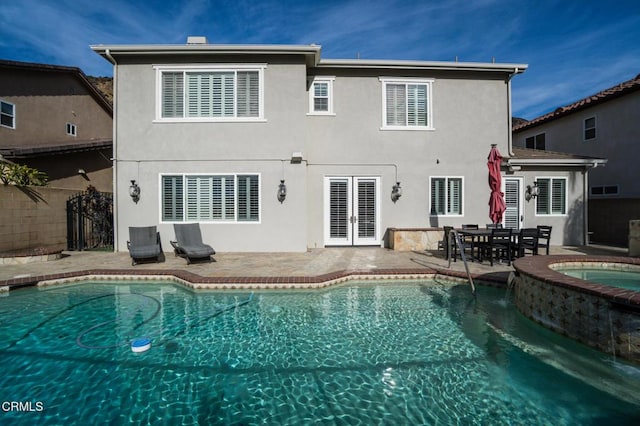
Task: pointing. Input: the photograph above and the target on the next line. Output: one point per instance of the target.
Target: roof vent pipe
(196, 40)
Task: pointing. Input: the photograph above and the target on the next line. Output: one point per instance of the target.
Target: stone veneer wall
(407, 239)
(33, 218)
(603, 317)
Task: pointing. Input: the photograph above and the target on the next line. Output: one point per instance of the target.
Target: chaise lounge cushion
(144, 243)
(189, 243)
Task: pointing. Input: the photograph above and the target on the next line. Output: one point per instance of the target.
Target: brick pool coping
(196, 281)
(541, 267)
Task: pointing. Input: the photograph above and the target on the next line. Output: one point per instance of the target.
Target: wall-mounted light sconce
(83, 173)
(282, 191)
(532, 191)
(134, 191)
(396, 192)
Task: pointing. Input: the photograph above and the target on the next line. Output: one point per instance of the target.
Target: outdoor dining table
(477, 236)
(482, 235)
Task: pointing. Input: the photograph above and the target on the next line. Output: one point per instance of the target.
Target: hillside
(105, 85)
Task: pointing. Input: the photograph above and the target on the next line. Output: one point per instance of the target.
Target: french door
(514, 213)
(352, 210)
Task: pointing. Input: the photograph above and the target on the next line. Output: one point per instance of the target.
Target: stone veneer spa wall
(600, 316)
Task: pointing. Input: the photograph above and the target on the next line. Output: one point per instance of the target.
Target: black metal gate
(90, 221)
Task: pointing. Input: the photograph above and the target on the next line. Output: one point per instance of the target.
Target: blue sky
(573, 48)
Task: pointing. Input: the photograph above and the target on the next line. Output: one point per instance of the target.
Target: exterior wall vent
(196, 40)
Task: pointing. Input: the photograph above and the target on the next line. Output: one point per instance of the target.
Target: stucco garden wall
(33, 218)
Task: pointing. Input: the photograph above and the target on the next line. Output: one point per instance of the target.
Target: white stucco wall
(470, 112)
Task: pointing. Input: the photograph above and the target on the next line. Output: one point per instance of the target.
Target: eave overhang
(529, 162)
(423, 65)
(310, 52)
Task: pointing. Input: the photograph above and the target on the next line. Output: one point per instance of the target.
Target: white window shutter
(172, 94)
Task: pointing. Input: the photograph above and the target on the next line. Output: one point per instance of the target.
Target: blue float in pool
(140, 345)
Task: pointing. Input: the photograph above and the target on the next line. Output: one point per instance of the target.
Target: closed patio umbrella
(496, 200)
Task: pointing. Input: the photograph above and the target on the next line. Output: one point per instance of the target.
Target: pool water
(622, 279)
(362, 353)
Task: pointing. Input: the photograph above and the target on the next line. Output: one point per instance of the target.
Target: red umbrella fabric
(496, 200)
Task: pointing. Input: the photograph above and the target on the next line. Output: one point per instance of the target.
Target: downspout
(114, 160)
(510, 125)
(585, 205)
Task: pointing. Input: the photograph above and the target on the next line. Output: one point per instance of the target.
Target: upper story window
(210, 198)
(71, 129)
(552, 196)
(7, 115)
(605, 190)
(536, 142)
(321, 96)
(210, 93)
(446, 196)
(590, 128)
(406, 104)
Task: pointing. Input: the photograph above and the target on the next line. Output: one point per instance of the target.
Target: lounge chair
(144, 243)
(189, 243)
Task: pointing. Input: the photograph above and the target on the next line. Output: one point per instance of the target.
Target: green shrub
(21, 175)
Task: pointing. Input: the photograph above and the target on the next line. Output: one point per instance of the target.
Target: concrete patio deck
(315, 266)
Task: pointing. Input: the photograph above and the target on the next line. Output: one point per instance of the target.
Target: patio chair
(189, 243)
(494, 225)
(444, 243)
(544, 233)
(144, 243)
(470, 243)
(498, 246)
(527, 240)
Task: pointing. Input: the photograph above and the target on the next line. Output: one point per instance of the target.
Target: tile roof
(606, 95)
(55, 148)
(537, 154)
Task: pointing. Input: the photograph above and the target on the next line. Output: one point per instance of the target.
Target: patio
(316, 266)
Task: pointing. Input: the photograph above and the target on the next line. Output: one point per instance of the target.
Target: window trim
(585, 129)
(446, 186)
(72, 129)
(428, 82)
(550, 206)
(321, 79)
(536, 138)
(13, 115)
(160, 69)
(235, 221)
(604, 188)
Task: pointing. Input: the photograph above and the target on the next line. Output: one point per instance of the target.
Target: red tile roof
(606, 95)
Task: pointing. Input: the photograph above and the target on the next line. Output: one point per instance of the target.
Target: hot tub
(600, 315)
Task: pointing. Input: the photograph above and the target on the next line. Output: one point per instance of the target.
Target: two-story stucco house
(216, 134)
(602, 125)
(53, 119)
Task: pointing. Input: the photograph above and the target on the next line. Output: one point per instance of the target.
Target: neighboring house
(605, 125)
(53, 119)
(209, 132)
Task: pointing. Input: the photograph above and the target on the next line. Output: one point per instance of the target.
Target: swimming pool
(360, 353)
(616, 278)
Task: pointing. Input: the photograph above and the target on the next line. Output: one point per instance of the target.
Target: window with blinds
(339, 208)
(210, 198)
(321, 96)
(552, 196)
(225, 94)
(446, 196)
(406, 104)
